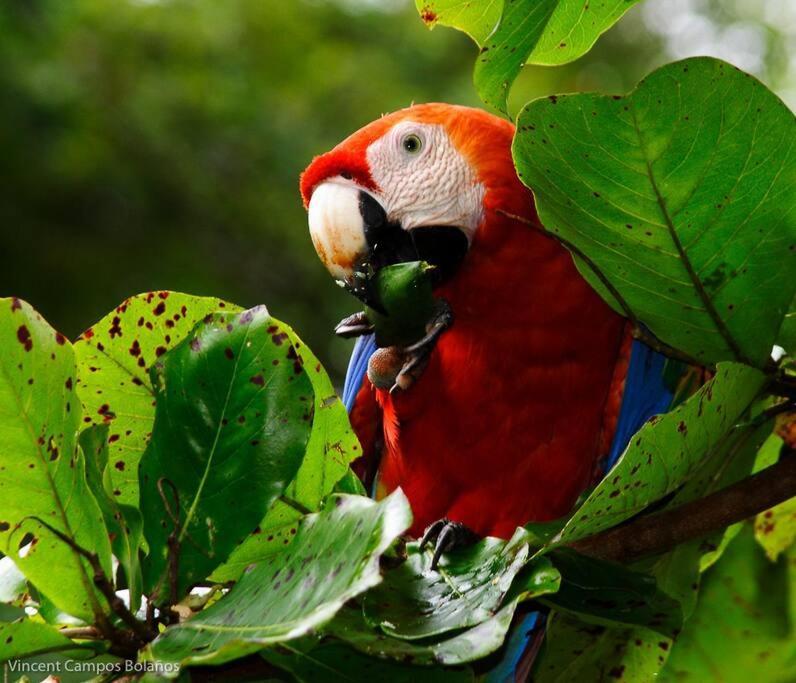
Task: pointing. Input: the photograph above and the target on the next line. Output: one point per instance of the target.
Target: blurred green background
(157, 144)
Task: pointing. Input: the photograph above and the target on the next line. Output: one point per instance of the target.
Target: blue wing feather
(357, 368)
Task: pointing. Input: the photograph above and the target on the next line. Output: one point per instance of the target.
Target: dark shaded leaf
(234, 412)
(609, 594)
(332, 446)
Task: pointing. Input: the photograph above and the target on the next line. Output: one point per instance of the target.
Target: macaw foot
(416, 356)
(447, 536)
(355, 325)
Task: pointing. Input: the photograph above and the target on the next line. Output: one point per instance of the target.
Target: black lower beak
(388, 243)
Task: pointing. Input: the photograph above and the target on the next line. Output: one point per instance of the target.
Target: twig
(104, 585)
(82, 633)
(660, 532)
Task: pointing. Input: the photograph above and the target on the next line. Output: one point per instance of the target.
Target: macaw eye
(412, 144)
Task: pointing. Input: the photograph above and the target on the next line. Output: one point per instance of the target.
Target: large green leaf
(124, 522)
(335, 663)
(25, 638)
(41, 470)
(518, 32)
(114, 357)
(334, 557)
(741, 628)
(234, 413)
(467, 588)
(667, 451)
(681, 196)
(331, 447)
(609, 594)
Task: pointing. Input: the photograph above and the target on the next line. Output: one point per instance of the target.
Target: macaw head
(418, 184)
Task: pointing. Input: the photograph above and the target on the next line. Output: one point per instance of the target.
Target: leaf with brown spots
(694, 228)
(41, 471)
(223, 449)
(662, 456)
(114, 357)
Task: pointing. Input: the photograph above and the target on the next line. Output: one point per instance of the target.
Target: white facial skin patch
(424, 180)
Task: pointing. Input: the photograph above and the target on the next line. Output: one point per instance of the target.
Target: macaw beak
(354, 238)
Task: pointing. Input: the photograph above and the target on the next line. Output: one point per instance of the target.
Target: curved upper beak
(353, 238)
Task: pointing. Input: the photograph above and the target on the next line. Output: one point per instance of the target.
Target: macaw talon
(446, 536)
(356, 325)
(418, 354)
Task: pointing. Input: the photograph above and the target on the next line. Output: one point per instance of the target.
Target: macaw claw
(446, 536)
(355, 325)
(418, 354)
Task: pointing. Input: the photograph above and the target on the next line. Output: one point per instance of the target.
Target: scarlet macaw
(534, 390)
(535, 385)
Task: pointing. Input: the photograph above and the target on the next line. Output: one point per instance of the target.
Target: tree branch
(660, 532)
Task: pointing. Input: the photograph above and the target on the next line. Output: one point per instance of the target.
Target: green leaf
(577, 651)
(547, 32)
(476, 19)
(741, 628)
(467, 588)
(775, 529)
(332, 446)
(114, 357)
(335, 663)
(609, 594)
(25, 638)
(124, 522)
(234, 413)
(41, 471)
(349, 626)
(680, 197)
(667, 451)
(334, 557)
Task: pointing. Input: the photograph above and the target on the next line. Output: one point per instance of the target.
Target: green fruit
(405, 294)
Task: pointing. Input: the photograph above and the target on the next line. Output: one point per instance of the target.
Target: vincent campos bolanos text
(93, 668)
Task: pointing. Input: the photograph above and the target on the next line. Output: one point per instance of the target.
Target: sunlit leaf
(25, 638)
(234, 412)
(334, 557)
(680, 196)
(41, 470)
(518, 32)
(114, 357)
